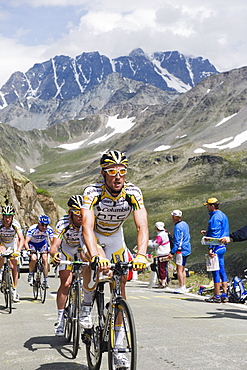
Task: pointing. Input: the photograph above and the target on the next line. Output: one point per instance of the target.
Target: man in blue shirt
(181, 247)
(218, 227)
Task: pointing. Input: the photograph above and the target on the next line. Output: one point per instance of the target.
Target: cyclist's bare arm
(141, 222)
(27, 240)
(88, 231)
(55, 246)
(21, 241)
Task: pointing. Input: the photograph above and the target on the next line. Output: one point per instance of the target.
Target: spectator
(181, 248)
(162, 247)
(218, 227)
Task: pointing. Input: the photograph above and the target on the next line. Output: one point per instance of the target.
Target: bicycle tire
(36, 282)
(94, 342)
(7, 291)
(75, 322)
(42, 286)
(122, 314)
(68, 317)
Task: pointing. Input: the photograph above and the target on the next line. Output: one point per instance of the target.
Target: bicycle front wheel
(68, 317)
(42, 286)
(94, 338)
(36, 284)
(7, 290)
(122, 348)
(75, 321)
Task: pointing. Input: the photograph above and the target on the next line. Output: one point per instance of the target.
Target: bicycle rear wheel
(122, 346)
(75, 322)
(36, 283)
(7, 283)
(42, 286)
(94, 338)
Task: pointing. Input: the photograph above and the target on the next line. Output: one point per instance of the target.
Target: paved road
(173, 332)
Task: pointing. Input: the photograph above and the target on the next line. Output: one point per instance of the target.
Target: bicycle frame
(103, 335)
(39, 284)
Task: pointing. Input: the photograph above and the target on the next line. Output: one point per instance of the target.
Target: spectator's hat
(160, 226)
(211, 201)
(177, 213)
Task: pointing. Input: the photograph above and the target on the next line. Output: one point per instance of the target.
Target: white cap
(160, 225)
(177, 213)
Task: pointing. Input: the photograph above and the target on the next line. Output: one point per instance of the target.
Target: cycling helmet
(75, 202)
(8, 211)
(43, 219)
(113, 157)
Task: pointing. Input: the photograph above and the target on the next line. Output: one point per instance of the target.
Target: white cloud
(214, 29)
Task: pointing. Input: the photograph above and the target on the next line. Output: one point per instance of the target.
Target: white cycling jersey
(71, 240)
(9, 236)
(111, 212)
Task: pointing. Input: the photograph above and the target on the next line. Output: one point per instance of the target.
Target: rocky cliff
(23, 195)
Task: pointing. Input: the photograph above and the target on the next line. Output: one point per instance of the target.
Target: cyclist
(106, 205)
(65, 246)
(11, 237)
(37, 240)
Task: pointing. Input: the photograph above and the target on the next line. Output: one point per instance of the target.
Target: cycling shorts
(68, 254)
(39, 247)
(114, 246)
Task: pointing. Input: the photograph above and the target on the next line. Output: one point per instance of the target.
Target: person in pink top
(161, 244)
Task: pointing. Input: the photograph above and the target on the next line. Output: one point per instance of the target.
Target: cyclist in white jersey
(106, 205)
(11, 238)
(66, 245)
(37, 241)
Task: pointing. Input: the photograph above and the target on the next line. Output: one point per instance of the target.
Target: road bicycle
(113, 329)
(6, 284)
(73, 305)
(39, 277)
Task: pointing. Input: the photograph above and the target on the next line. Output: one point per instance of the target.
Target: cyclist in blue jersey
(181, 248)
(37, 240)
(218, 227)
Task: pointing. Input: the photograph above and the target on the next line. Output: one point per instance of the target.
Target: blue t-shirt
(218, 225)
(181, 238)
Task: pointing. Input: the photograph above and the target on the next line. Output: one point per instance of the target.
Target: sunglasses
(44, 225)
(77, 213)
(114, 172)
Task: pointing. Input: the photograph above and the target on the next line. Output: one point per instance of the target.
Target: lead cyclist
(105, 207)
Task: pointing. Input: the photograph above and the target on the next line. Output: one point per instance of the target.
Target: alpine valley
(181, 123)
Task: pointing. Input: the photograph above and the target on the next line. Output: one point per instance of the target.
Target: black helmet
(8, 211)
(113, 157)
(75, 201)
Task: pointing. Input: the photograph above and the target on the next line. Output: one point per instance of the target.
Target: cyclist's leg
(65, 275)
(45, 263)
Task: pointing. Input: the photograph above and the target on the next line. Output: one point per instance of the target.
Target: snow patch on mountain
(225, 120)
(162, 147)
(118, 125)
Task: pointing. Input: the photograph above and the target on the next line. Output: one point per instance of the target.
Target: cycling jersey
(111, 212)
(9, 236)
(39, 238)
(71, 240)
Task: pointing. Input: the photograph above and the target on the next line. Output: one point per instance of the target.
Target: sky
(33, 31)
